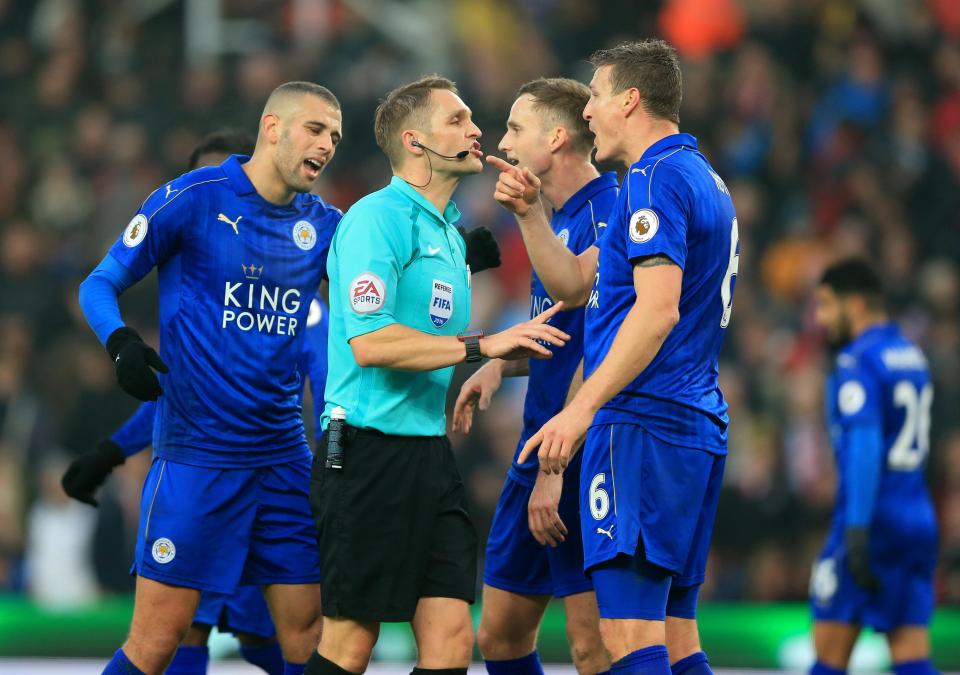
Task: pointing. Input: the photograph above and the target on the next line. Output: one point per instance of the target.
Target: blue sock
(918, 667)
(293, 668)
(189, 661)
(695, 664)
(526, 665)
(823, 669)
(120, 665)
(647, 661)
(267, 657)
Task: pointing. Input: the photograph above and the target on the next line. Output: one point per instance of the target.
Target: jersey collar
(451, 214)
(238, 178)
(583, 195)
(671, 141)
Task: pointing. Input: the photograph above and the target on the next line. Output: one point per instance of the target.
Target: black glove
(134, 360)
(482, 249)
(858, 558)
(88, 471)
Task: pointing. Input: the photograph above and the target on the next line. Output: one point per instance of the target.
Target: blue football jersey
(237, 274)
(671, 203)
(882, 380)
(578, 224)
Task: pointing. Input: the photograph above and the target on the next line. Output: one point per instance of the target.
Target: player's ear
(411, 143)
(557, 138)
(630, 101)
(270, 127)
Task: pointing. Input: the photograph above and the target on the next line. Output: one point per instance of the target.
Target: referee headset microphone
(460, 156)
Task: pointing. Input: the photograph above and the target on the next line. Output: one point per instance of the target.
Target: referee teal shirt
(394, 259)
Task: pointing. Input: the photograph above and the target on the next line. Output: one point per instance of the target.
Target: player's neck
(565, 178)
(646, 131)
(436, 189)
(860, 325)
(266, 181)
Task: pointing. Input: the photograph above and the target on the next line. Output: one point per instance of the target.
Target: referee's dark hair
(222, 142)
(563, 100)
(652, 68)
(402, 108)
(855, 276)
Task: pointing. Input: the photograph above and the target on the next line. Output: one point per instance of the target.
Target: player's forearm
(864, 469)
(99, 295)
(575, 384)
(642, 333)
(403, 348)
(137, 432)
(555, 264)
(518, 368)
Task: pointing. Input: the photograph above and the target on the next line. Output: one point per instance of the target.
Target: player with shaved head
(240, 250)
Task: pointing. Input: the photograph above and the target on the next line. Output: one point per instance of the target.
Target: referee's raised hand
(524, 340)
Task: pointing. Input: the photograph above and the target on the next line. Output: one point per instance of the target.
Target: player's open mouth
(313, 167)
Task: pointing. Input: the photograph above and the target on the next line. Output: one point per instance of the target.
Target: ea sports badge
(304, 235)
(643, 225)
(164, 551)
(367, 293)
(136, 231)
(441, 303)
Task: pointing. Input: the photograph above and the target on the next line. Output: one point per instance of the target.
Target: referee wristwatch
(471, 339)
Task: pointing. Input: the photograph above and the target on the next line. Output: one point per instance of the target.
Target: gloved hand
(134, 361)
(88, 471)
(857, 541)
(483, 252)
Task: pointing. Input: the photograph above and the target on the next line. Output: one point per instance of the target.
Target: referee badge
(304, 235)
(644, 224)
(441, 303)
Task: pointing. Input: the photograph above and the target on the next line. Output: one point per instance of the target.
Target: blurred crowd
(836, 124)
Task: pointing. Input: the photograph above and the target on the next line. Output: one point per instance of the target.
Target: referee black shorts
(393, 526)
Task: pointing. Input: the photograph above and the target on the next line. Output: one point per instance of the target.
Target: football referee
(396, 540)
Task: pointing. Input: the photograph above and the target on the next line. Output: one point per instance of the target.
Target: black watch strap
(472, 343)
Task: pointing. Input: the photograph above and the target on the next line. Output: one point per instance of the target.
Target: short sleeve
(372, 249)
(657, 213)
(153, 235)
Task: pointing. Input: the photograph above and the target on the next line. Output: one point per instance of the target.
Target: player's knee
(298, 642)
(585, 643)
(500, 639)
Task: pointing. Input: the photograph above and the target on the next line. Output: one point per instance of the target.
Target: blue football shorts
(514, 560)
(217, 529)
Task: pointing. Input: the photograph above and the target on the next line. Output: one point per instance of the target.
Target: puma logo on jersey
(233, 223)
(609, 532)
(643, 171)
(170, 191)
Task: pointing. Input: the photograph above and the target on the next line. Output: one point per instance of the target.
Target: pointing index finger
(502, 165)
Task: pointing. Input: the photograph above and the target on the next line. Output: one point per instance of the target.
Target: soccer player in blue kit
(241, 249)
(658, 288)
(878, 564)
(534, 550)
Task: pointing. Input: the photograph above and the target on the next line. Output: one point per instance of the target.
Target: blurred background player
(877, 566)
(659, 290)
(534, 551)
(241, 250)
